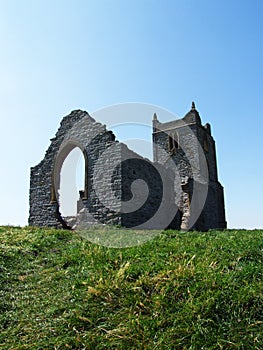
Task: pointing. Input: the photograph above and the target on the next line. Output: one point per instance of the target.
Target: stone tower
(191, 147)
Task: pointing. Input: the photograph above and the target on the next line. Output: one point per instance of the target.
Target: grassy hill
(177, 291)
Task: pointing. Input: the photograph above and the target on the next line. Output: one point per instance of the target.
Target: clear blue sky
(60, 55)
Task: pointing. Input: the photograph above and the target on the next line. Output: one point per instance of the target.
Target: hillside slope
(178, 291)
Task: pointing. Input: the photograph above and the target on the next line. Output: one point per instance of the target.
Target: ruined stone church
(179, 189)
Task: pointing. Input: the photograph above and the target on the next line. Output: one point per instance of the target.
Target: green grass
(180, 290)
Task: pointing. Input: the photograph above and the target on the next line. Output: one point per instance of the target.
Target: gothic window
(173, 142)
(70, 175)
(72, 186)
(170, 143)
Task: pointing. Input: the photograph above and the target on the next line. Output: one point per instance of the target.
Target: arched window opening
(173, 142)
(72, 188)
(170, 143)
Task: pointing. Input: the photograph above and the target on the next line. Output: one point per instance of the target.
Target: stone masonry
(178, 190)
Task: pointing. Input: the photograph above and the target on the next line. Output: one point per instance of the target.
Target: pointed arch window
(57, 168)
(173, 142)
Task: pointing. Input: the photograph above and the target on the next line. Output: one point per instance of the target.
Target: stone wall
(147, 194)
(43, 204)
(76, 130)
